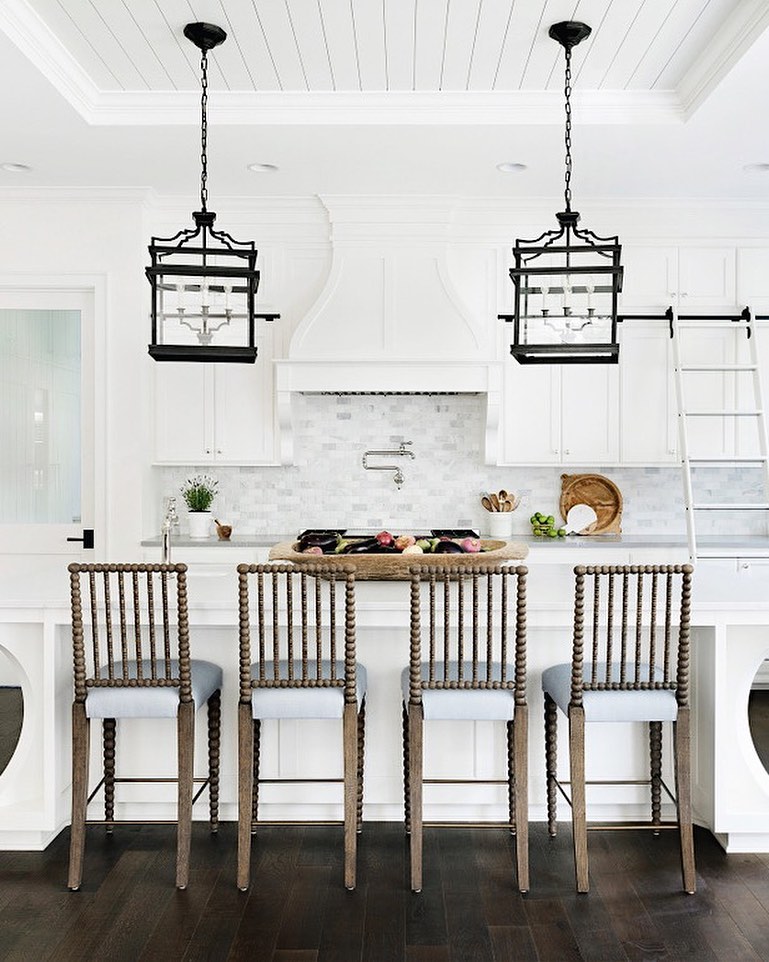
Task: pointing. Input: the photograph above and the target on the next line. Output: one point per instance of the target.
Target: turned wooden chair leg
(80, 756)
(578, 812)
(682, 752)
(257, 745)
(551, 762)
(361, 749)
(416, 727)
(350, 740)
(247, 726)
(406, 788)
(655, 769)
(108, 743)
(511, 786)
(520, 782)
(186, 748)
(214, 746)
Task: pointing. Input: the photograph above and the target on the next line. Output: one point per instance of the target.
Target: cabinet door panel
(648, 411)
(753, 278)
(530, 419)
(183, 421)
(589, 414)
(243, 412)
(706, 277)
(650, 278)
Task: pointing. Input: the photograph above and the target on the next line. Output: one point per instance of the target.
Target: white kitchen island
(730, 619)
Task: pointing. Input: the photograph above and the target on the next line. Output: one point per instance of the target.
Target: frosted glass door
(45, 494)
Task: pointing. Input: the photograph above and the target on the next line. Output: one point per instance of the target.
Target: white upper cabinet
(753, 278)
(650, 277)
(685, 277)
(648, 408)
(530, 417)
(215, 413)
(560, 414)
(706, 277)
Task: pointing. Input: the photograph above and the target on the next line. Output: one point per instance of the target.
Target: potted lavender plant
(198, 493)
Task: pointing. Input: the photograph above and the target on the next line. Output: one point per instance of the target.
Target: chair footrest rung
(624, 826)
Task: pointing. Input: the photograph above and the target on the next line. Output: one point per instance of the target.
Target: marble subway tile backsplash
(328, 486)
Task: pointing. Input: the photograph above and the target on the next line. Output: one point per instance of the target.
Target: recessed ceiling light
(15, 168)
(761, 168)
(509, 167)
(262, 168)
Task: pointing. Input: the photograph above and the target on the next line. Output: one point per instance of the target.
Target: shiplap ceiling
(388, 96)
(437, 60)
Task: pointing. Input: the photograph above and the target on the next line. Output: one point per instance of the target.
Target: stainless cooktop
(370, 532)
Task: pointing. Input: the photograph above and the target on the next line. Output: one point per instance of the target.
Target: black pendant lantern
(566, 280)
(203, 281)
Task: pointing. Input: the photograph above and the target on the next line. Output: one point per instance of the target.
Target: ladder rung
(718, 367)
(730, 554)
(730, 507)
(727, 460)
(722, 414)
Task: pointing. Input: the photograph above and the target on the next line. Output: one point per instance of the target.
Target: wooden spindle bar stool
(132, 661)
(631, 623)
(467, 662)
(297, 661)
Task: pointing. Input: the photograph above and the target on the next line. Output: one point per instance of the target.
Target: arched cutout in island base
(11, 708)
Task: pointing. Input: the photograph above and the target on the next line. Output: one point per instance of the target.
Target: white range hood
(388, 320)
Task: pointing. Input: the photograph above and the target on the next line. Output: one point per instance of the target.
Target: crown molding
(21, 24)
(342, 108)
(76, 195)
(743, 26)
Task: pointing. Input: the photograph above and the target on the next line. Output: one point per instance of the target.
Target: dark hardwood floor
(297, 909)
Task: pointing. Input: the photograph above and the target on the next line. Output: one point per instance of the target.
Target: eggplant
(327, 542)
(363, 546)
(448, 547)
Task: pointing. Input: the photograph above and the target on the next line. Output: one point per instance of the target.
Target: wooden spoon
(487, 504)
(495, 501)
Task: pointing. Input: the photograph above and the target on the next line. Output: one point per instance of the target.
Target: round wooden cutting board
(600, 493)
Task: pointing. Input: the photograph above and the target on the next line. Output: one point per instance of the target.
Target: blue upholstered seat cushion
(611, 705)
(475, 704)
(314, 702)
(126, 702)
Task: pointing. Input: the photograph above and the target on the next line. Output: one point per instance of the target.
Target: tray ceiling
(389, 61)
(383, 97)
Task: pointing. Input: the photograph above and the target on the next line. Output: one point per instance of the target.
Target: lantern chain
(203, 130)
(567, 135)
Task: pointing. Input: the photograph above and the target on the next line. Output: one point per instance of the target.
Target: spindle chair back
(131, 659)
(298, 661)
(630, 662)
(467, 662)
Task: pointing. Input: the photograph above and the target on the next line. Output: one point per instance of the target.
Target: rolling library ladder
(722, 434)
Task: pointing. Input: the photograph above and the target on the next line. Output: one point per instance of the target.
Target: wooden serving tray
(395, 567)
(600, 493)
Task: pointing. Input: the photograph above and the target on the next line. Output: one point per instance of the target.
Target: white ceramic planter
(199, 523)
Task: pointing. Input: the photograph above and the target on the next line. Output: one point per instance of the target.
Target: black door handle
(87, 538)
